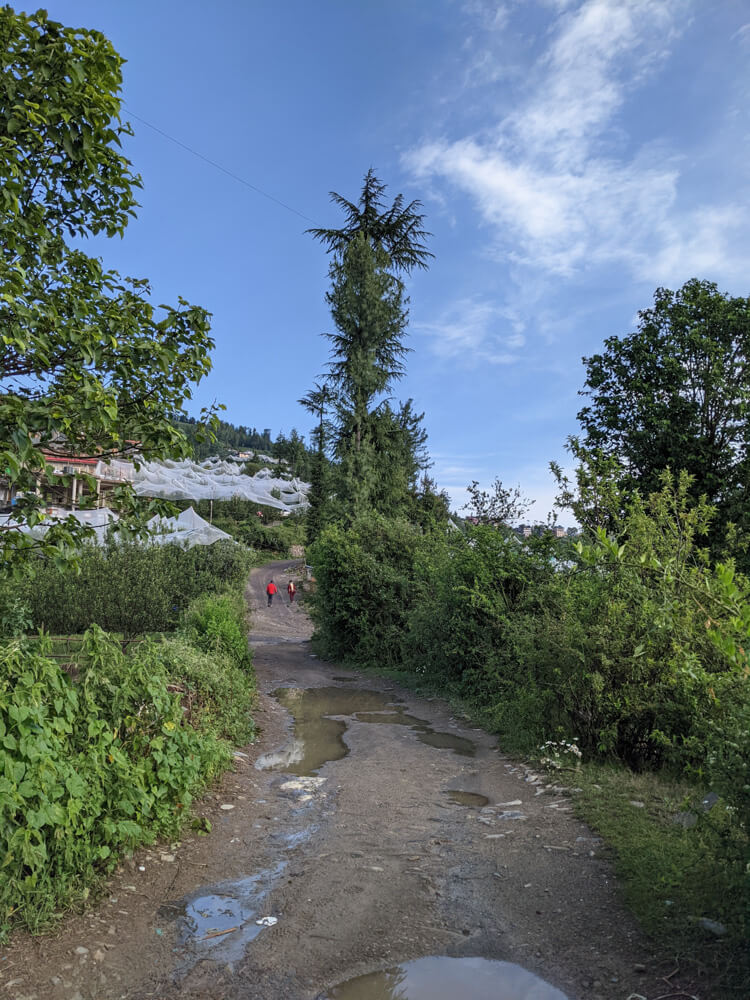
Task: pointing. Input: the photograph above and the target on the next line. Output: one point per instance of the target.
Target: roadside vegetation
(108, 750)
(620, 655)
(101, 749)
(128, 588)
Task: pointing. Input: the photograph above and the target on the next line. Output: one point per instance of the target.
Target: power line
(218, 166)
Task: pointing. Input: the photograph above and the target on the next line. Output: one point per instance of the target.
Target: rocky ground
(420, 839)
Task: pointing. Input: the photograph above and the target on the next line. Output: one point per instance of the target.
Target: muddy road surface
(369, 846)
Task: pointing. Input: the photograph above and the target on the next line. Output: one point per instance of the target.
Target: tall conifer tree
(375, 449)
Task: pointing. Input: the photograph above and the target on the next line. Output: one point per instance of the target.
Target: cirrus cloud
(560, 183)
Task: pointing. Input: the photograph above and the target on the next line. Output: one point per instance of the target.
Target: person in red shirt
(291, 590)
(271, 589)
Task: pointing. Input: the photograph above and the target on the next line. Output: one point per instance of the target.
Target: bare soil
(368, 864)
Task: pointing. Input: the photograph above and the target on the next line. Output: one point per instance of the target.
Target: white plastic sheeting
(99, 520)
(187, 529)
(216, 479)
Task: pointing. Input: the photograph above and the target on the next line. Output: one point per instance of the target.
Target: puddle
(393, 719)
(344, 680)
(218, 921)
(440, 978)
(291, 840)
(467, 798)
(318, 734)
(318, 738)
(445, 741)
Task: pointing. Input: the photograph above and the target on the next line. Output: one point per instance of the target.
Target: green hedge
(130, 588)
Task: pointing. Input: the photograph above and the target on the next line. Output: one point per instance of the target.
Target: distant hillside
(231, 438)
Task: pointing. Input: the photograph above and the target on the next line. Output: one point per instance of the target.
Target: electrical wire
(218, 166)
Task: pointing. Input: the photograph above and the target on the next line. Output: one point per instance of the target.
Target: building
(106, 476)
(95, 490)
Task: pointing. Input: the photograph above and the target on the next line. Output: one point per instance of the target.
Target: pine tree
(397, 230)
(375, 449)
(317, 402)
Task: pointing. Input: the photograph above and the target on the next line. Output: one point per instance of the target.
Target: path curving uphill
(376, 830)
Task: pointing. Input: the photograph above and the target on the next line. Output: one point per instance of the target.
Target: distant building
(96, 491)
(527, 530)
(106, 477)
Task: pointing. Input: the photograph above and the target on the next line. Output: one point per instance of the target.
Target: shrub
(216, 623)
(363, 575)
(131, 588)
(216, 693)
(89, 769)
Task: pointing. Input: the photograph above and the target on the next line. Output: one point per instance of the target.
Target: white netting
(216, 479)
(99, 520)
(187, 529)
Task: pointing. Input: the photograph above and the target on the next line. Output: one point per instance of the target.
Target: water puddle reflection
(467, 798)
(398, 718)
(447, 741)
(440, 978)
(218, 921)
(319, 728)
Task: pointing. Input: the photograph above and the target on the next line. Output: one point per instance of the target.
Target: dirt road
(417, 838)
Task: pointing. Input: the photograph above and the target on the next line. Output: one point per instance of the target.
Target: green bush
(89, 769)
(260, 536)
(130, 588)
(15, 616)
(607, 643)
(364, 589)
(216, 692)
(216, 623)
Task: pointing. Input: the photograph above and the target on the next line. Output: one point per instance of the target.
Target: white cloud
(551, 178)
(476, 332)
(600, 51)
(560, 221)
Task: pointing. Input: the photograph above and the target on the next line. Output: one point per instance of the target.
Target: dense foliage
(675, 395)
(87, 363)
(101, 760)
(227, 439)
(129, 588)
(605, 641)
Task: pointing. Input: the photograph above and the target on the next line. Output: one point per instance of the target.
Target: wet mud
(466, 798)
(220, 923)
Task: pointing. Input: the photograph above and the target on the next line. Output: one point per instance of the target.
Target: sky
(571, 156)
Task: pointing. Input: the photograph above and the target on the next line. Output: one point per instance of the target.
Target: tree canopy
(88, 365)
(675, 394)
(377, 451)
(397, 229)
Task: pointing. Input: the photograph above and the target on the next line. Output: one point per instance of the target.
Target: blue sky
(571, 156)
